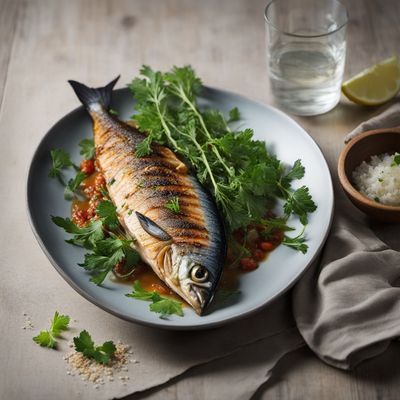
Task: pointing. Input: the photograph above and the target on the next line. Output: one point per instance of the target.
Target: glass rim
(269, 22)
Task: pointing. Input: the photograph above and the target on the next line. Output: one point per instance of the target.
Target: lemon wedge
(374, 85)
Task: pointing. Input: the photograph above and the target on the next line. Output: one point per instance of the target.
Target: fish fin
(94, 96)
(152, 228)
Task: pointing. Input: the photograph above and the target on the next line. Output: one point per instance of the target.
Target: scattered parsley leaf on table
(101, 354)
(88, 150)
(48, 338)
(161, 305)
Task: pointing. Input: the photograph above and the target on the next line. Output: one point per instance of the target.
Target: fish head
(193, 277)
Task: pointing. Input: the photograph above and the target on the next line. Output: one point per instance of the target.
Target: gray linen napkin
(348, 309)
(387, 119)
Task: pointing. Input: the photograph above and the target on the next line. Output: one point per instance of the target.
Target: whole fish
(186, 248)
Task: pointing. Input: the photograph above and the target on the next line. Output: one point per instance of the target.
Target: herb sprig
(106, 240)
(101, 354)
(173, 205)
(161, 305)
(49, 337)
(88, 150)
(244, 178)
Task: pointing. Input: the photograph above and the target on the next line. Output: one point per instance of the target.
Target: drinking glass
(306, 46)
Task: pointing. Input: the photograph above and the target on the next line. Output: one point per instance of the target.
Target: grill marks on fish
(194, 237)
(146, 185)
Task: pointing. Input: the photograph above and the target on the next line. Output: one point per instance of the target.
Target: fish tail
(90, 97)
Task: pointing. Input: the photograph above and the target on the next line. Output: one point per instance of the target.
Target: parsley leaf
(142, 294)
(48, 338)
(88, 149)
(143, 148)
(396, 160)
(85, 237)
(106, 254)
(301, 203)
(167, 307)
(107, 211)
(161, 305)
(296, 172)
(101, 354)
(113, 112)
(173, 205)
(296, 243)
(60, 160)
(234, 115)
(73, 185)
(243, 177)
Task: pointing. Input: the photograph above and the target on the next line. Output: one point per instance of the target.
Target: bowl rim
(345, 181)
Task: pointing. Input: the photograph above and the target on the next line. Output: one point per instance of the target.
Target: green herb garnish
(396, 160)
(84, 237)
(106, 254)
(297, 242)
(73, 185)
(242, 175)
(234, 115)
(60, 160)
(101, 354)
(48, 338)
(88, 151)
(173, 205)
(113, 112)
(161, 305)
(107, 211)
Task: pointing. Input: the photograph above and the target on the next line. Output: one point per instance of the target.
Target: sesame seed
(90, 371)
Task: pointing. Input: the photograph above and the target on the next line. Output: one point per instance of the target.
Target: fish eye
(198, 274)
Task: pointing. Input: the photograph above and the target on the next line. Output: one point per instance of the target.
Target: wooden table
(45, 42)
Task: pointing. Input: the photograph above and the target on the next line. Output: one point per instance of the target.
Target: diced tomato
(87, 166)
(239, 235)
(266, 246)
(258, 255)
(248, 264)
(79, 217)
(278, 236)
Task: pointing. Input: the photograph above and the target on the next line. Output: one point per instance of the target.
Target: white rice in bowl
(379, 179)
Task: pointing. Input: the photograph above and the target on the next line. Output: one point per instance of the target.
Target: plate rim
(163, 324)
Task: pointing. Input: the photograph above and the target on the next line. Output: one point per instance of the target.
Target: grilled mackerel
(186, 249)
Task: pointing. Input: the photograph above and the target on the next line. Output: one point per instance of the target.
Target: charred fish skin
(186, 249)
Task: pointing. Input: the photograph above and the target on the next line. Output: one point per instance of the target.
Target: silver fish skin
(186, 249)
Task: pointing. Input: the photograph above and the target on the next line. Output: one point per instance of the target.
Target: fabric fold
(348, 309)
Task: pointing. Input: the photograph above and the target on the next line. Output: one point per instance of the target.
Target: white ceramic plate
(284, 266)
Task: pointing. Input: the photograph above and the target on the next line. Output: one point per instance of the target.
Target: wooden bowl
(360, 149)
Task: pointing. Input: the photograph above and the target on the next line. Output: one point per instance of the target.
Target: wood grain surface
(45, 42)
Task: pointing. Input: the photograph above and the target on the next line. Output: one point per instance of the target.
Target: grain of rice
(379, 179)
